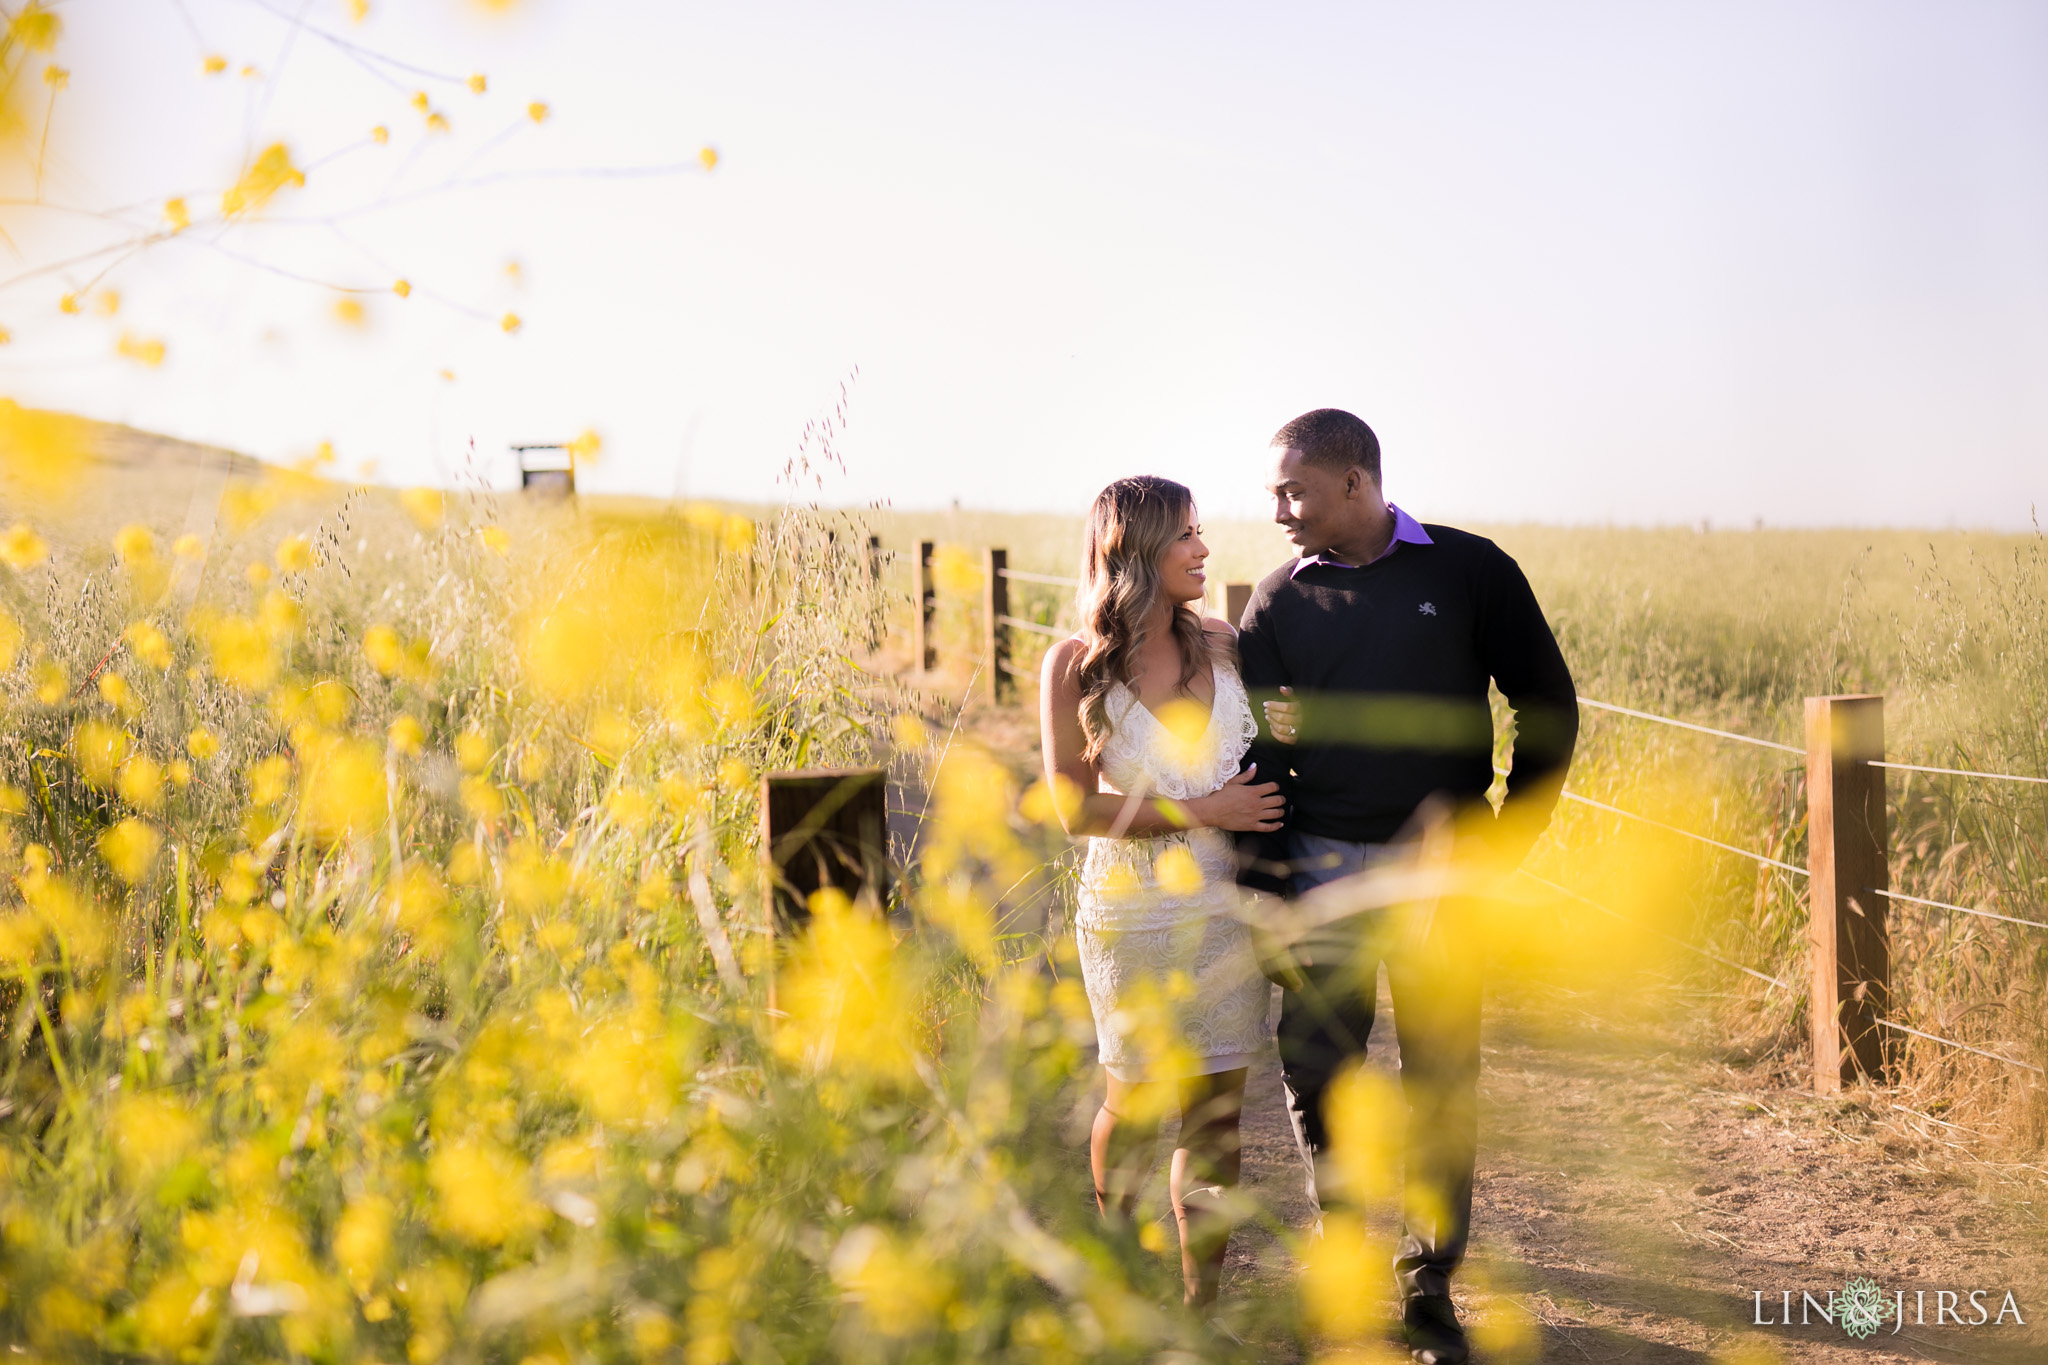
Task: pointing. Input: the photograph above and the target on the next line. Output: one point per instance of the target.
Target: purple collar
(1407, 530)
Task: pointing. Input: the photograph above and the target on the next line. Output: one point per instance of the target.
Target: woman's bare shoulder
(1064, 657)
(1216, 625)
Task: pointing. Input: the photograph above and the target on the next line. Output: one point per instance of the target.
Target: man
(1375, 648)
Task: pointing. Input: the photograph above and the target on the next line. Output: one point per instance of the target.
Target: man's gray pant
(1323, 1028)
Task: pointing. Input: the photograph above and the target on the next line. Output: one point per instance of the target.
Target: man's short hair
(1332, 439)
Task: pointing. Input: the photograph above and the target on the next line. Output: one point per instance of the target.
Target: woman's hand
(1283, 718)
(1240, 804)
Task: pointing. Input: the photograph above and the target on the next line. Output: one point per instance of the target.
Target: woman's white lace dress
(1167, 962)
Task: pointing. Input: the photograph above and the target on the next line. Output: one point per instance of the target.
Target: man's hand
(1283, 718)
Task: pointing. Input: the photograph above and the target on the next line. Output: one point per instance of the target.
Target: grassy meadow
(385, 967)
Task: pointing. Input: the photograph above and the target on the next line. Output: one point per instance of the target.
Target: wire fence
(1888, 895)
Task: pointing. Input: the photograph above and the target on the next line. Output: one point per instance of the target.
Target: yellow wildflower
(270, 172)
(477, 84)
(294, 555)
(148, 350)
(537, 111)
(202, 744)
(130, 847)
(98, 749)
(214, 64)
(141, 783)
(149, 643)
(22, 549)
(268, 779)
(133, 544)
(708, 157)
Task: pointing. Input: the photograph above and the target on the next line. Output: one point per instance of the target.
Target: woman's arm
(1237, 805)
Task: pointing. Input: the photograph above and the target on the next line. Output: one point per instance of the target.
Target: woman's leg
(1120, 1145)
(1206, 1158)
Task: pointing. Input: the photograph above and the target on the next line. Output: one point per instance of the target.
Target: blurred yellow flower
(36, 27)
(480, 1192)
(98, 749)
(1177, 871)
(294, 555)
(107, 302)
(152, 1132)
(362, 1240)
(708, 157)
(349, 312)
(282, 615)
(11, 636)
(437, 122)
(270, 172)
(189, 547)
(117, 694)
(133, 544)
(509, 323)
(130, 847)
(177, 215)
(481, 798)
(269, 779)
(214, 65)
(897, 1284)
(586, 447)
(473, 751)
(202, 744)
(239, 651)
(68, 305)
(141, 783)
(53, 684)
(497, 540)
(956, 572)
(426, 506)
(180, 773)
(22, 549)
(537, 111)
(149, 643)
(342, 793)
(629, 809)
(407, 736)
(419, 101)
(384, 650)
(43, 453)
(380, 135)
(148, 350)
(477, 84)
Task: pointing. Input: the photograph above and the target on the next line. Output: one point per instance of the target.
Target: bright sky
(1574, 262)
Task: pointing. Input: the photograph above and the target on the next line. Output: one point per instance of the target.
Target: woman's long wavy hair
(1130, 528)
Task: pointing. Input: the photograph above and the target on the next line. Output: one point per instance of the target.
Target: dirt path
(1634, 1193)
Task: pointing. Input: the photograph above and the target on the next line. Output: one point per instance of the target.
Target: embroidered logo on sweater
(1427, 609)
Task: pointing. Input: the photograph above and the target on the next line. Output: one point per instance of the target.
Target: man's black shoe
(1431, 1326)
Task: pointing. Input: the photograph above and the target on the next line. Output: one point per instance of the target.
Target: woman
(1144, 723)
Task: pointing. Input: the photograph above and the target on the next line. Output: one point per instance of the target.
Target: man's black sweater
(1390, 663)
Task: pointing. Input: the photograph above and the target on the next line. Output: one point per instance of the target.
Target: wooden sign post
(823, 827)
(1236, 597)
(927, 602)
(1847, 867)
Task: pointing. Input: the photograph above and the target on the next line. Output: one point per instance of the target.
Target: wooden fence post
(1846, 861)
(996, 601)
(1236, 597)
(927, 602)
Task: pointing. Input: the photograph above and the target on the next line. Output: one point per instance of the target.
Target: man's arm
(1261, 858)
(1518, 650)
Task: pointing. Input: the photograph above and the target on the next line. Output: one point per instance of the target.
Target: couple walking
(1370, 656)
